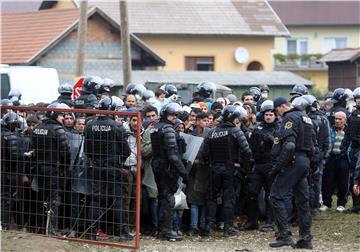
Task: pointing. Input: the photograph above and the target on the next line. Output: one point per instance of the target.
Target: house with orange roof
(48, 38)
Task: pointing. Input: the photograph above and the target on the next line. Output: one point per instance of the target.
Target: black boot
(267, 228)
(230, 231)
(283, 239)
(304, 242)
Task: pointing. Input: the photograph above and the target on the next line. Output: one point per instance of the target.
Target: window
(199, 63)
(332, 43)
(298, 46)
(255, 66)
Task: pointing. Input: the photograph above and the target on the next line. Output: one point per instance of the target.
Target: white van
(36, 84)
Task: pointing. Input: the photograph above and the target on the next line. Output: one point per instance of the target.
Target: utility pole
(125, 44)
(81, 39)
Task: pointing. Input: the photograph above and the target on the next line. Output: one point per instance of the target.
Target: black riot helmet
(230, 113)
(312, 102)
(6, 102)
(170, 109)
(300, 103)
(205, 89)
(356, 92)
(106, 85)
(148, 94)
(299, 90)
(54, 114)
(135, 89)
(170, 90)
(11, 120)
(110, 103)
(91, 85)
(65, 88)
(267, 105)
(256, 93)
(339, 96)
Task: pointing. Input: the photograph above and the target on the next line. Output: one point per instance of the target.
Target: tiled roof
(11, 6)
(346, 54)
(225, 17)
(248, 78)
(311, 13)
(25, 34)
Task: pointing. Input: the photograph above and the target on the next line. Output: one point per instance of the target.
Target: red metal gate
(67, 195)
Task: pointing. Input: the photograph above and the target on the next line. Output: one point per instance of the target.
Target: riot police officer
(65, 90)
(322, 131)
(352, 138)
(225, 163)
(106, 150)
(293, 145)
(297, 91)
(167, 164)
(51, 147)
(205, 90)
(339, 98)
(9, 171)
(89, 92)
(261, 142)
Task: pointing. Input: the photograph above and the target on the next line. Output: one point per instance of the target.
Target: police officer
(9, 160)
(322, 131)
(51, 147)
(352, 138)
(167, 164)
(65, 90)
(339, 100)
(15, 96)
(205, 90)
(297, 91)
(89, 93)
(106, 150)
(224, 164)
(293, 144)
(261, 142)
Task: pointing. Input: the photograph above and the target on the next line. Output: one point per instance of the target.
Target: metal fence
(71, 184)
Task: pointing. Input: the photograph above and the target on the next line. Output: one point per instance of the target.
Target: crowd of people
(274, 162)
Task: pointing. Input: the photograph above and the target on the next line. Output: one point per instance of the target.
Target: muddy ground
(332, 232)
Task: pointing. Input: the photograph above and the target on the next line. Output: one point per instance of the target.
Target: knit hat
(280, 101)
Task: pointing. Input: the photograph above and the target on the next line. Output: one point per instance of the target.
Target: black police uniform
(293, 146)
(228, 152)
(65, 98)
(9, 172)
(261, 142)
(352, 139)
(322, 131)
(106, 150)
(167, 148)
(52, 154)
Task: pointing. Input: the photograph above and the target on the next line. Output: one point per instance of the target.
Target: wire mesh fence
(78, 183)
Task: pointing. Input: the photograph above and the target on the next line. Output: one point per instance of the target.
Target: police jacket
(66, 99)
(295, 134)
(105, 141)
(50, 143)
(9, 150)
(261, 141)
(352, 133)
(322, 131)
(227, 144)
(167, 148)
